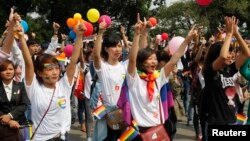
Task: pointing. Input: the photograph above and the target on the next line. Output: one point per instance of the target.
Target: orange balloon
(71, 22)
(153, 21)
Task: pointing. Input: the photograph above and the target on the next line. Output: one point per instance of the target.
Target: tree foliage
(121, 12)
(176, 19)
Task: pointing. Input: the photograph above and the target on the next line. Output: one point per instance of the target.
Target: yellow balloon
(93, 15)
(77, 16)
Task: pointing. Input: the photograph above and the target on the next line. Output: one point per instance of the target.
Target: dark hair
(110, 40)
(162, 55)
(39, 64)
(213, 54)
(31, 42)
(142, 56)
(4, 64)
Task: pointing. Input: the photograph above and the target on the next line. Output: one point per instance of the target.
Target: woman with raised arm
(49, 94)
(218, 103)
(145, 82)
(111, 74)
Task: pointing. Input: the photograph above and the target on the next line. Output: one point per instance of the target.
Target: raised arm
(143, 42)
(201, 48)
(9, 39)
(245, 52)
(135, 46)
(124, 38)
(180, 51)
(220, 62)
(64, 38)
(98, 45)
(29, 67)
(70, 70)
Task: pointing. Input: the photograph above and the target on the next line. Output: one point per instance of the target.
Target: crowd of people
(120, 84)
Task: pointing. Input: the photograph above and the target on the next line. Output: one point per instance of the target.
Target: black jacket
(18, 103)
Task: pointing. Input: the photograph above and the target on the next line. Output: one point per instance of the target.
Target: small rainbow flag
(61, 57)
(129, 134)
(26, 132)
(99, 112)
(241, 119)
(135, 125)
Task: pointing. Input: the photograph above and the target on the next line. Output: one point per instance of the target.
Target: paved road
(184, 133)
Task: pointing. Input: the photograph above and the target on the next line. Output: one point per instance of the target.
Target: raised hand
(192, 33)
(230, 23)
(139, 25)
(56, 26)
(81, 28)
(102, 26)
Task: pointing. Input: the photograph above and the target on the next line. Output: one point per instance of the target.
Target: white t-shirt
(58, 118)
(87, 84)
(111, 78)
(144, 112)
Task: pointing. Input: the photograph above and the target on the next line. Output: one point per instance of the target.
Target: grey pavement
(184, 132)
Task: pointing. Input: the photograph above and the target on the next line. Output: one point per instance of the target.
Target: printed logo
(154, 136)
(62, 103)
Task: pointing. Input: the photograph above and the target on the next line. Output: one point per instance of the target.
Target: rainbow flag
(61, 57)
(129, 134)
(99, 112)
(135, 125)
(241, 119)
(26, 132)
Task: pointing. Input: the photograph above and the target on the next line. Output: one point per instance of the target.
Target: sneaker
(190, 123)
(89, 139)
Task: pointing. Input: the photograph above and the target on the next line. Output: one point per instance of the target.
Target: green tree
(178, 18)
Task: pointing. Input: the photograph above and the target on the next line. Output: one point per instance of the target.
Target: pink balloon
(68, 50)
(204, 2)
(107, 20)
(175, 43)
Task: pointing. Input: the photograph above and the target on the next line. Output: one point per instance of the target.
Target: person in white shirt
(49, 94)
(111, 74)
(142, 75)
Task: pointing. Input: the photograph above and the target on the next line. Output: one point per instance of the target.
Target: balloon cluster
(72, 24)
(93, 16)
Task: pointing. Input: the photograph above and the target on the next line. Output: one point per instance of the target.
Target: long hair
(39, 64)
(212, 55)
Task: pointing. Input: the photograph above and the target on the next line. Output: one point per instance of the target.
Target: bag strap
(43, 115)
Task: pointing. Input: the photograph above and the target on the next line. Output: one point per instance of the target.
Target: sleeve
(30, 89)
(162, 80)
(4, 56)
(65, 85)
(17, 56)
(52, 46)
